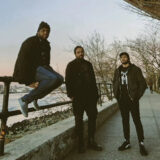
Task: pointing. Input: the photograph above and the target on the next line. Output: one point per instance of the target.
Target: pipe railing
(5, 113)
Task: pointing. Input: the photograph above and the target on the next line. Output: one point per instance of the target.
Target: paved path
(110, 135)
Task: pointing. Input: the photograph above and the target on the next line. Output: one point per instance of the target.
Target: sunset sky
(69, 19)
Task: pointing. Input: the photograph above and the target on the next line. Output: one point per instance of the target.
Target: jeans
(48, 81)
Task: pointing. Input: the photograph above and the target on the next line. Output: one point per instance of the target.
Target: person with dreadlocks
(129, 86)
(33, 69)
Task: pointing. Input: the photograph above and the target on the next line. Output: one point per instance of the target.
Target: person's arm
(23, 63)
(114, 77)
(142, 85)
(68, 81)
(94, 80)
(114, 84)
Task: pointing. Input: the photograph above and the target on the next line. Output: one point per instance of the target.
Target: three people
(82, 89)
(33, 68)
(129, 86)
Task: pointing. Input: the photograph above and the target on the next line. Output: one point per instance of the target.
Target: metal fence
(6, 113)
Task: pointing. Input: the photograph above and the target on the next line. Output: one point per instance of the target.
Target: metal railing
(6, 113)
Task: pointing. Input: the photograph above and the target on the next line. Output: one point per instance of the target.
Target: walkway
(110, 135)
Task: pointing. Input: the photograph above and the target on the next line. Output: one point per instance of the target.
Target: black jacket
(136, 83)
(33, 53)
(80, 80)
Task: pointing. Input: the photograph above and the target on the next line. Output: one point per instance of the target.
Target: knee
(60, 79)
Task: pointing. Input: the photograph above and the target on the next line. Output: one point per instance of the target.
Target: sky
(68, 19)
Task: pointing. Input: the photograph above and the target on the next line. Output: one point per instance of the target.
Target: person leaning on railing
(33, 68)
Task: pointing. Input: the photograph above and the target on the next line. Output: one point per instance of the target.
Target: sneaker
(126, 145)
(35, 105)
(23, 107)
(143, 150)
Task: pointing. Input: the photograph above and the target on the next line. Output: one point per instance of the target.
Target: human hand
(34, 85)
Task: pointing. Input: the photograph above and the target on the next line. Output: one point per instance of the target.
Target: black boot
(81, 146)
(142, 149)
(93, 145)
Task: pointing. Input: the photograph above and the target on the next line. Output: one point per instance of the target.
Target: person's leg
(91, 110)
(137, 121)
(78, 110)
(124, 109)
(125, 120)
(60, 77)
(47, 82)
(139, 128)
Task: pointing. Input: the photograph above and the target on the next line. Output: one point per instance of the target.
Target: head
(79, 52)
(124, 58)
(43, 30)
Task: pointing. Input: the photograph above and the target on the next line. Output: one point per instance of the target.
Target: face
(43, 33)
(124, 59)
(79, 53)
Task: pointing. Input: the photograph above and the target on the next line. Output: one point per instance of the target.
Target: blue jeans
(48, 81)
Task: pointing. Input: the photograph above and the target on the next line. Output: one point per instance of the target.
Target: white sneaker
(35, 105)
(23, 107)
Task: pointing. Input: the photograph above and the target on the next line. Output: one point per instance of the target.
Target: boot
(93, 145)
(81, 148)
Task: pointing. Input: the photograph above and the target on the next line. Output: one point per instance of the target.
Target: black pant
(126, 106)
(90, 106)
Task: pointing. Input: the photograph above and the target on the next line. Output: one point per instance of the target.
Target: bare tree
(146, 51)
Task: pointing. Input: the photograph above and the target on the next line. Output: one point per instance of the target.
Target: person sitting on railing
(81, 88)
(33, 69)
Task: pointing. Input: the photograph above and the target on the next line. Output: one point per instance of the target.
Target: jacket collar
(130, 67)
(40, 40)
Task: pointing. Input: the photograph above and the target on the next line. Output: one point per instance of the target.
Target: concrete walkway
(110, 135)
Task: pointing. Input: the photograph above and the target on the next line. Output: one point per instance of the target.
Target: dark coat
(136, 83)
(29, 58)
(80, 80)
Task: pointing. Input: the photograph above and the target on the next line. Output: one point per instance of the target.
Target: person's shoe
(23, 107)
(35, 105)
(142, 149)
(94, 146)
(126, 145)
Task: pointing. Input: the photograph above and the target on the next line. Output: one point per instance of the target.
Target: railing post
(4, 116)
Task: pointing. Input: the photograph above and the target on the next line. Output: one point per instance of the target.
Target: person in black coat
(33, 69)
(129, 86)
(81, 88)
